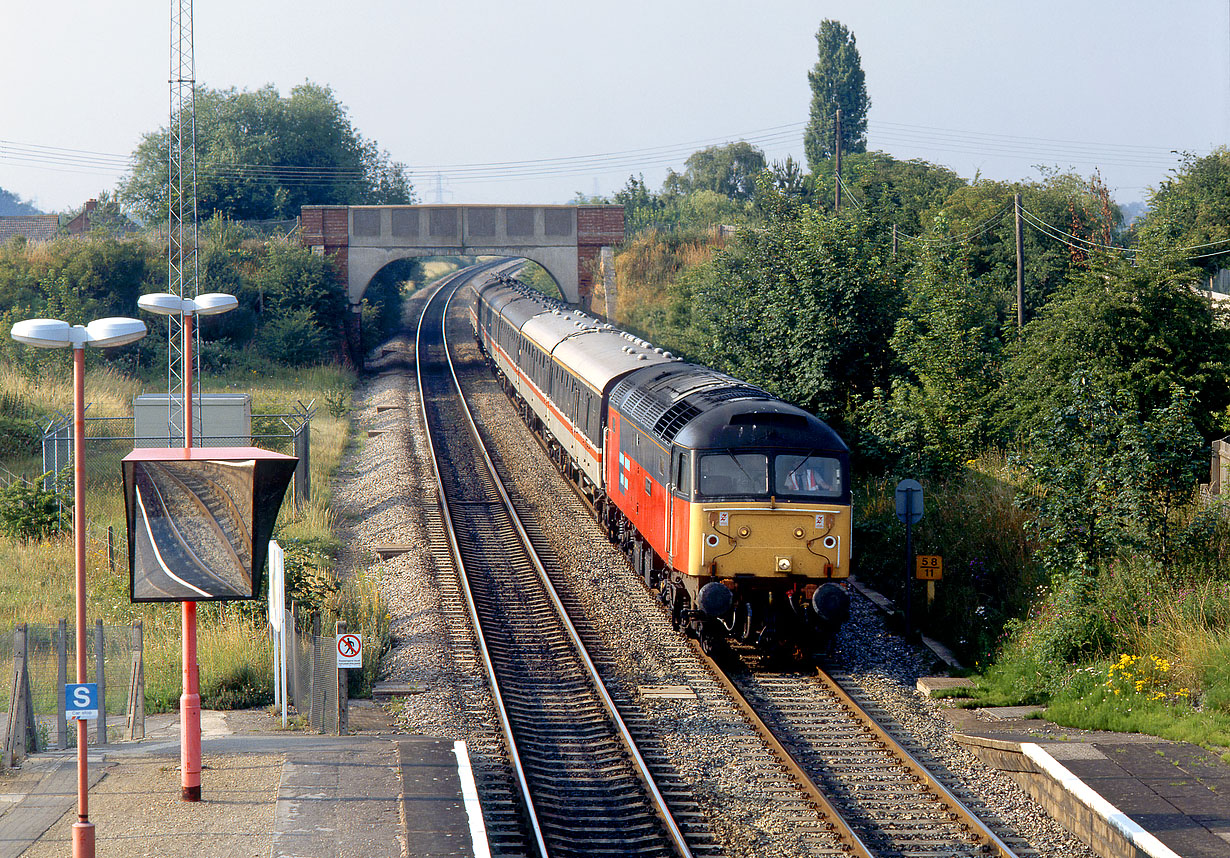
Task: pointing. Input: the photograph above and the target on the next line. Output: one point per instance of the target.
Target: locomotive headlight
(784, 564)
(744, 532)
(798, 533)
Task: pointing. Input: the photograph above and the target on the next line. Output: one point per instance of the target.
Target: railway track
(898, 807)
(583, 787)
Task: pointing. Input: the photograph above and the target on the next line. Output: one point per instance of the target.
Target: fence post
(316, 714)
(100, 676)
(61, 681)
(136, 683)
(303, 470)
(343, 688)
(111, 548)
(292, 655)
(21, 736)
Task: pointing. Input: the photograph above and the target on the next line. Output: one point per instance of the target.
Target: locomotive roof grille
(675, 418)
(735, 392)
(641, 407)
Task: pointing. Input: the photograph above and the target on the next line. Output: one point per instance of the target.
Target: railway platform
(266, 791)
(1122, 793)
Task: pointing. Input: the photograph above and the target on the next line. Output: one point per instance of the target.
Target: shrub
(294, 338)
(972, 521)
(29, 511)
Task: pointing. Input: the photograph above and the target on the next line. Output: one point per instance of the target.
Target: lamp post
(209, 304)
(54, 334)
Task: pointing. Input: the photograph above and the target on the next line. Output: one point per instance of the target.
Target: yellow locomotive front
(768, 524)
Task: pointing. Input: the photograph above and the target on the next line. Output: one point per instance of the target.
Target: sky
(491, 102)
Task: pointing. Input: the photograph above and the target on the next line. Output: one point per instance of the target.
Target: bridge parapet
(565, 240)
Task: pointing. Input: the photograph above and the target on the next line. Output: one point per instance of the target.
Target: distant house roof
(33, 227)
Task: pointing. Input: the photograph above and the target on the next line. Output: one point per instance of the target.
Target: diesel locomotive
(733, 504)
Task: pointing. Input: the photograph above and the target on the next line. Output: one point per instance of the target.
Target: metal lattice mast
(182, 272)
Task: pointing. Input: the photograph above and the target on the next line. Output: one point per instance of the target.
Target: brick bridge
(565, 240)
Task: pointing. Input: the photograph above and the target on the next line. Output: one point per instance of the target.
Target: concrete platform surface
(1122, 793)
(265, 791)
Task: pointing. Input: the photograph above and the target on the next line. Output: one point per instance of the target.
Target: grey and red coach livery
(734, 503)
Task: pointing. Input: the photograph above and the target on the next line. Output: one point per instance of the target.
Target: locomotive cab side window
(681, 474)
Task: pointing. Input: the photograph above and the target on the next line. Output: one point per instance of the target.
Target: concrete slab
(439, 802)
(1011, 713)
(928, 685)
(1149, 797)
(266, 791)
(42, 791)
(338, 804)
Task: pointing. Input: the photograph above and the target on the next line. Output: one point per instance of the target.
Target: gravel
(385, 494)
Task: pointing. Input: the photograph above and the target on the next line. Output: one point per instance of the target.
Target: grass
(36, 579)
(973, 523)
(1133, 652)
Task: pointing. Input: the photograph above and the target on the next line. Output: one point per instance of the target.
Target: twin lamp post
(110, 333)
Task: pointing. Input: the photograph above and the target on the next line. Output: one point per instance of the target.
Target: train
(730, 503)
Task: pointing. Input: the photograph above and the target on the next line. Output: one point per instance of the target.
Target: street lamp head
(114, 331)
(167, 304)
(162, 303)
(44, 333)
(213, 303)
(54, 334)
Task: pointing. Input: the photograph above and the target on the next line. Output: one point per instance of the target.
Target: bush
(29, 511)
(971, 520)
(294, 338)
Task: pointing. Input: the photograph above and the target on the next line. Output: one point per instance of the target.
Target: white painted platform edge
(1140, 838)
(469, 794)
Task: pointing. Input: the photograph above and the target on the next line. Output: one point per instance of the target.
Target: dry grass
(36, 579)
(108, 393)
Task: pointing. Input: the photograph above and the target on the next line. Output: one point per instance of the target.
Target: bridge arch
(565, 240)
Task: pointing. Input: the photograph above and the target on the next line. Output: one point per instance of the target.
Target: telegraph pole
(1020, 264)
(837, 163)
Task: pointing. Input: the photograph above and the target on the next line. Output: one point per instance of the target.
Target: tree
(301, 293)
(642, 208)
(11, 204)
(804, 306)
(980, 216)
(893, 192)
(1192, 210)
(261, 156)
(729, 170)
(1135, 327)
(1108, 477)
(836, 83)
(947, 341)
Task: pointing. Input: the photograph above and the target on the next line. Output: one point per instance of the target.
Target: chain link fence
(39, 659)
(312, 676)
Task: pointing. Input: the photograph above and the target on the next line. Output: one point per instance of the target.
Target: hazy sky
(985, 86)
